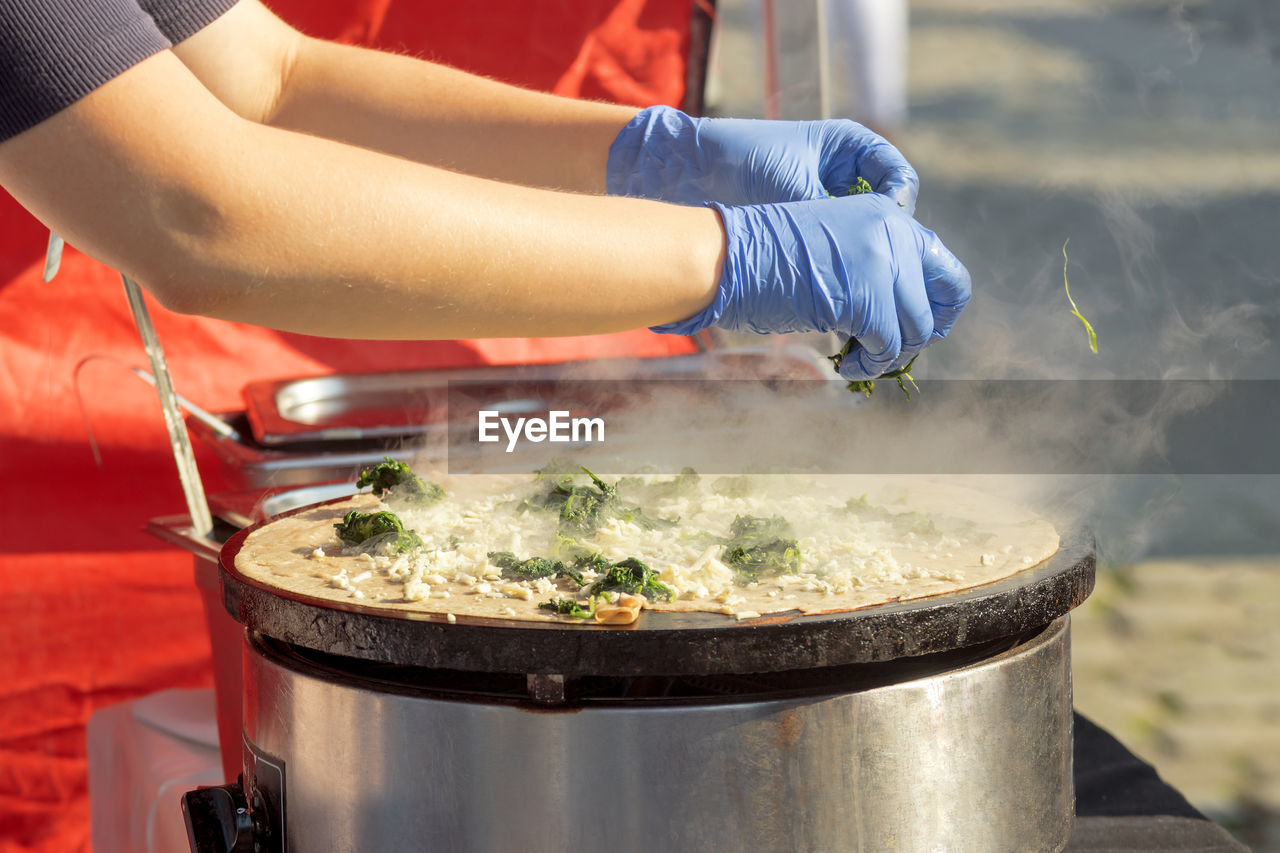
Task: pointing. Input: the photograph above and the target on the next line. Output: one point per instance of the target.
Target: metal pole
(188, 474)
(52, 257)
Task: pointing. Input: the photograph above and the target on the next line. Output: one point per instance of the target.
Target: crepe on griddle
(862, 541)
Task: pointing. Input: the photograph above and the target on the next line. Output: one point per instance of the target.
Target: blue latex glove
(664, 154)
(858, 266)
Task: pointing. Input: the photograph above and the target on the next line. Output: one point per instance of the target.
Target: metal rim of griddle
(665, 643)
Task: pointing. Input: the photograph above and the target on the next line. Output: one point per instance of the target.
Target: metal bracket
(548, 689)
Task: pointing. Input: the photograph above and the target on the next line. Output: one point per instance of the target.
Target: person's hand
(858, 266)
(666, 155)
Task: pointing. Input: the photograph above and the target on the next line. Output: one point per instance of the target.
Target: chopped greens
(866, 510)
(738, 486)
(569, 607)
(761, 546)
(635, 578)
(915, 522)
(918, 523)
(399, 479)
(566, 546)
(534, 567)
(584, 508)
(860, 186)
(866, 386)
(629, 575)
(557, 468)
(637, 516)
(1093, 338)
(902, 374)
(683, 484)
(593, 561)
(376, 529)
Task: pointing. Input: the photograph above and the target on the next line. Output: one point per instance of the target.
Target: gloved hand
(664, 154)
(858, 266)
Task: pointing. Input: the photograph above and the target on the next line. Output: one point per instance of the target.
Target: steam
(1014, 404)
(1188, 31)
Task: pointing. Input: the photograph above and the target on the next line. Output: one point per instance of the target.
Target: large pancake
(910, 538)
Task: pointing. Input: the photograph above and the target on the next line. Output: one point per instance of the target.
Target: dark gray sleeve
(178, 19)
(54, 52)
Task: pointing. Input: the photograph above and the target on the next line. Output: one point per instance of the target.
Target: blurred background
(1146, 132)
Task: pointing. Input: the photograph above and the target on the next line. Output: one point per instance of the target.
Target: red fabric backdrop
(93, 610)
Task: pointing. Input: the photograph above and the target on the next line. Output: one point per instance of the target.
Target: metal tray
(249, 465)
(245, 508)
(402, 404)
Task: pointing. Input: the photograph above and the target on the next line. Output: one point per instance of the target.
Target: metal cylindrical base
(977, 758)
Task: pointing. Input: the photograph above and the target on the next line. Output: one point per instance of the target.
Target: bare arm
(223, 216)
(268, 72)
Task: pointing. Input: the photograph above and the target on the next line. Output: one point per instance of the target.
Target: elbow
(184, 262)
(179, 292)
(197, 284)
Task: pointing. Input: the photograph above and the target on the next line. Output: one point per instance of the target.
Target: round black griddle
(667, 643)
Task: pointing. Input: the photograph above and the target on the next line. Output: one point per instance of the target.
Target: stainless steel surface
(412, 403)
(346, 407)
(240, 510)
(178, 530)
(188, 474)
(214, 423)
(52, 257)
(321, 429)
(284, 501)
(250, 507)
(977, 758)
(225, 634)
(251, 466)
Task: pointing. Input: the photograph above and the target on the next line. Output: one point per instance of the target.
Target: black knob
(218, 819)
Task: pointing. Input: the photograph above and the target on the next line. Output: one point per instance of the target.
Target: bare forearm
(267, 72)
(438, 115)
(407, 251)
(302, 233)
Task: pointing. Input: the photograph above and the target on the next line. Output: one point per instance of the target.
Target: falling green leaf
(1093, 337)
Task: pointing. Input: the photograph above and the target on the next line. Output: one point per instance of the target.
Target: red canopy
(94, 611)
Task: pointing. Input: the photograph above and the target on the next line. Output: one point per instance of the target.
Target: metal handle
(213, 422)
(218, 820)
(188, 474)
(52, 257)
